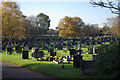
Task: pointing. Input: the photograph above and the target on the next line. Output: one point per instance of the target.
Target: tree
(91, 30)
(107, 63)
(113, 23)
(70, 27)
(106, 29)
(34, 28)
(12, 20)
(114, 7)
(43, 21)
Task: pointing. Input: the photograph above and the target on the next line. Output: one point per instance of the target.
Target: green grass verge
(45, 67)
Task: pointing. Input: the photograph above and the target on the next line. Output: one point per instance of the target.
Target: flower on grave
(65, 50)
(55, 57)
(50, 56)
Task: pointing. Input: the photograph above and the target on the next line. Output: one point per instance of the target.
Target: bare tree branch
(109, 4)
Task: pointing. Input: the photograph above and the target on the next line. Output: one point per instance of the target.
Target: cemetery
(75, 46)
(62, 55)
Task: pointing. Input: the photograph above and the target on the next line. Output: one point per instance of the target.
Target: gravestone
(90, 51)
(18, 49)
(38, 54)
(79, 52)
(33, 49)
(94, 48)
(76, 61)
(59, 47)
(94, 57)
(51, 45)
(72, 51)
(9, 50)
(50, 51)
(25, 53)
(3, 47)
(87, 67)
(55, 46)
(75, 46)
(45, 47)
(52, 54)
(41, 54)
(68, 58)
(35, 54)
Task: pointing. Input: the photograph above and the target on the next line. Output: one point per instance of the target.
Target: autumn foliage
(13, 23)
(70, 27)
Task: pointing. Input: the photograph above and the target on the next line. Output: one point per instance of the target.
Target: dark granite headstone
(50, 50)
(87, 67)
(72, 51)
(25, 55)
(59, 47)
(3, 47)
(41, 54)
(9, 50)
(45, 47)
(35, 54)
(18, 49)
(76, 61)
(91, 51)
(79, 52)
(52, 53)
(94, 57)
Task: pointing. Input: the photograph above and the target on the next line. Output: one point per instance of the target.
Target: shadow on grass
(54, 70)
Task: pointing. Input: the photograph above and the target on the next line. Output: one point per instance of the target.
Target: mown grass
(45, 67)
(48, 67)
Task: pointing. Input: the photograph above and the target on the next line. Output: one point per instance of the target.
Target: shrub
(108, 62)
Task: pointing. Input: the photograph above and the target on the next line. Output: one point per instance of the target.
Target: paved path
(13, 71)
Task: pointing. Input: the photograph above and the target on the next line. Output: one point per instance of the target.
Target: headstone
(53, 54)
(45, 47)
(76, 61)
(64, 60)
(79, 46)
(41, 54)
(25, 53)
(91, 51)
(52, 46)
(33, 49)
(87, 67)
(3, 47)
(9, 50)
(79, 52)
(18, 49)
(75, 46)
(68, 58)
(94, 57)
(72, 51)
(59, 47)
(35, 54)
(50, 50)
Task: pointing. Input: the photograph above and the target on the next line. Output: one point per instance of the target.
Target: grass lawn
(45, 67)
(48, 67)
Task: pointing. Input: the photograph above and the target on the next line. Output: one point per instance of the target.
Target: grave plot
(18, 49)
(38, 54)
(25, 54)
